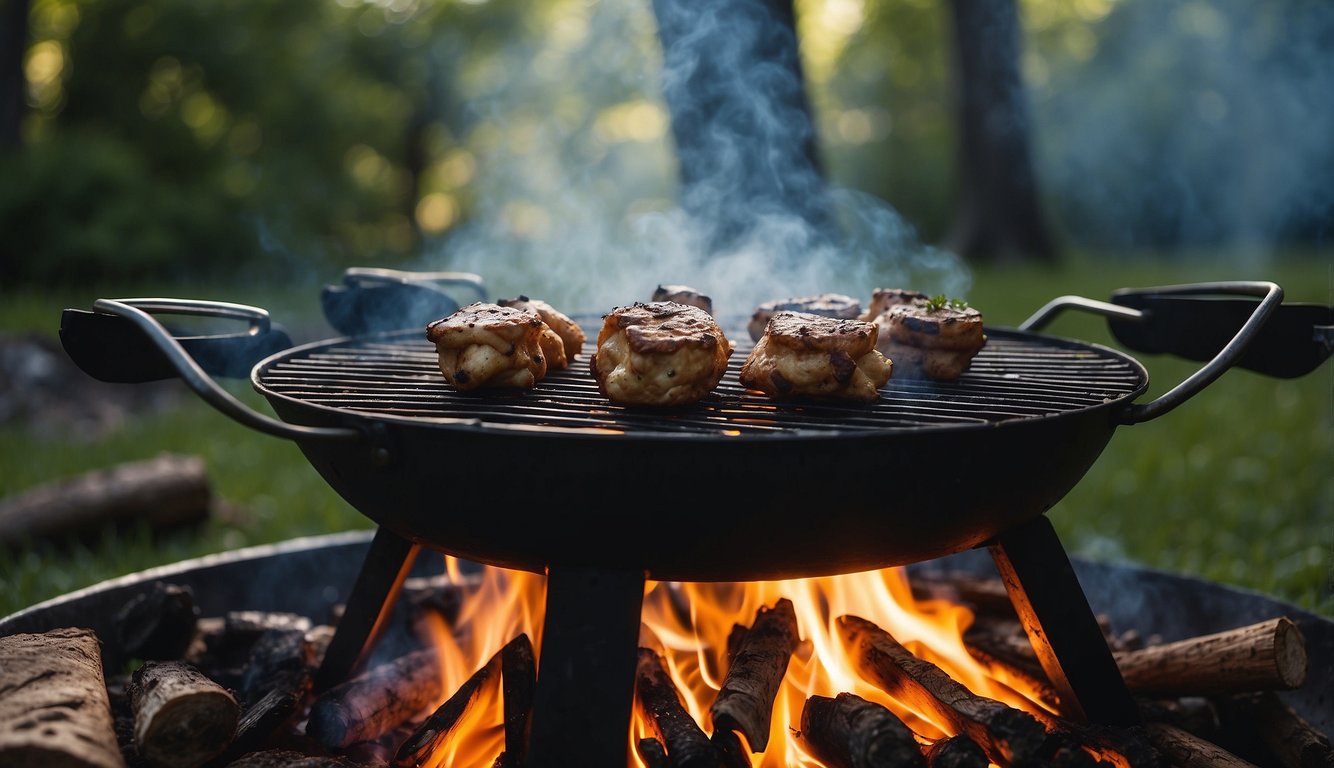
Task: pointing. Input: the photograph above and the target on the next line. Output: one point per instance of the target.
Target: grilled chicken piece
(835, 305)
(931, 338)
(568, 339)
(659, 353)
(683, 294)
(883, 299)
(803, 354)
(487, 345)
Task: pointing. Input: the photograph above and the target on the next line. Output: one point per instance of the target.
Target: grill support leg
(371, 601)
(586, 668)
(1061, 625)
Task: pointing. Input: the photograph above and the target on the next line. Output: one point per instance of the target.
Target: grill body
(738, 487)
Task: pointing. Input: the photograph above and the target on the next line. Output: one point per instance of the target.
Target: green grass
(1235, 486)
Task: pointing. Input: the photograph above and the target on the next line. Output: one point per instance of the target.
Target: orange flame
(689, 625)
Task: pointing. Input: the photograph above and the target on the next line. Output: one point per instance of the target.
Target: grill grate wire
(1014, 376)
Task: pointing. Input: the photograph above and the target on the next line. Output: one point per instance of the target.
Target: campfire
(883, 667)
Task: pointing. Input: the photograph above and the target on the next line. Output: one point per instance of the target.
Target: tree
(998, 216)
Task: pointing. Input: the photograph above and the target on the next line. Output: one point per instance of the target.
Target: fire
(689, 625)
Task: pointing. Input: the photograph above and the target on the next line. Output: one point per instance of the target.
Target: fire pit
(372, 414)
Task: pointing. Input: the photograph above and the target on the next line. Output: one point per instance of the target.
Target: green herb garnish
(939, 301)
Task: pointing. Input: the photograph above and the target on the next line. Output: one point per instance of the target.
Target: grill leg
(586, 668)
(1061, 625)
(372, 599)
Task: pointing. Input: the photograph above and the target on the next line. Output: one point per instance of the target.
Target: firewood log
(956, 752)
(1187, 750)
(745, 701)
(157, 623)
(374, 702)
(984, 595)
(1268, 655)
(847, 731)
(182, 719)
(261, 720)
(653, 753)
(731, 749)
(518, 686)
(166, 491)
(287, 758)
(687, 744)
(436, 729)
(1008, 735)
(54, 707)
(277, 652)
(1283, 732)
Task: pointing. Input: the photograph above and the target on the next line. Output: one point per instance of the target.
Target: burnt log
(1268, 655)
(957, 751)
(168, 491)
(731, 749)
(745, 701)
(182, 718)
(847, 731)
(1186, 750)
(687, 744)
(1265, 719)
(158, 623)
(54, 706)
(1009, 736)
(376, 701)
(518, 686)
(260, 721)
(287, 758)
(436, 729)
(986, 596)
(652, 753)
(276, 654)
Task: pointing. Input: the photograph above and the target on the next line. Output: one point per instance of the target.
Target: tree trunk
(13, 44)
(745, 139)
(998, 217)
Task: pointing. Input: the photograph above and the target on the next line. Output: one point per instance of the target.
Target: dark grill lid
(1017, 375)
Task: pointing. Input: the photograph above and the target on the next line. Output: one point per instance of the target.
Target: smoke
(1196, 124)
(569, 210)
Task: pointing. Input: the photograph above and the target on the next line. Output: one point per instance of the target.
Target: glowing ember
(689, 625)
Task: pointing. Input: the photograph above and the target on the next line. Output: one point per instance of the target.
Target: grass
(1234, 486)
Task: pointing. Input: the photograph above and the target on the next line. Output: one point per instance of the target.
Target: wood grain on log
(182, 718)
(54, 707)
(376, 701)
(1286, 735)
(847, 731)
(1187, 750)
(1006, 734)
(687, 744)
(1268, 655)
(166, 491)
(745, 701)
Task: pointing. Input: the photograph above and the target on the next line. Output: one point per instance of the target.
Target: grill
(395, 376)
(930, 469)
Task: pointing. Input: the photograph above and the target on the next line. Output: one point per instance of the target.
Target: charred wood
(182, 718)
(1269, 655)
(437, 728)
(731, 749)
(956, 752)
(277, 653)
(54, 706)
(286, 758)
(652, 753)
(158, 623)
(1009, 736)
(261, 720)
(376, 701)
(847, 731)
(687, 744)
(167, 491)
(745, 701)
(1267, 720)
(1186, 750)
(986, 596)
(1022, 679)
(518, 685)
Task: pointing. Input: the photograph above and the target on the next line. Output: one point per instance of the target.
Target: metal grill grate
(1015, 376)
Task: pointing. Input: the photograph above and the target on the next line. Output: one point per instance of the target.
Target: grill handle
(1270, 294)
(138, 312)
(374, 299)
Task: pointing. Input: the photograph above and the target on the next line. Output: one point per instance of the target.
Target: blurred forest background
(160, 139)
(249, 150)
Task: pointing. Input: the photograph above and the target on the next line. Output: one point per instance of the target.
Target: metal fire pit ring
(314, 571)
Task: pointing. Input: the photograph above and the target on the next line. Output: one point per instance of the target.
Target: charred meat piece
(931, 338)
(683, 294)
(835, 305)
(883, 299)
(806, 355)
(659, 353)
(570, 336)
(487, 345)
